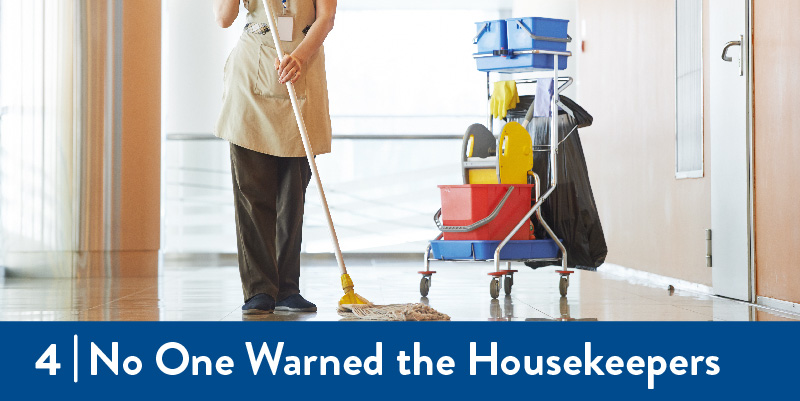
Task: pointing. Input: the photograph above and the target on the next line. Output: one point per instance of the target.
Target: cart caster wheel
(424, 286)
(508, 282)
(494, 288)
(563, 284)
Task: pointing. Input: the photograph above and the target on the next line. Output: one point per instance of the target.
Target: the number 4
(48, 360)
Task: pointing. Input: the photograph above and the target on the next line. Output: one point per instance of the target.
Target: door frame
(751, 234)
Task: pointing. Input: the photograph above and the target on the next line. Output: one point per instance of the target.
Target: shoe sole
(288, 309)
(256, 312)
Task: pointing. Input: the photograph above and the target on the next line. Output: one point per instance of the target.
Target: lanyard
(284, 6)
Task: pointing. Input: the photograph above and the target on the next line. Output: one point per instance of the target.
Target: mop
(351, 303)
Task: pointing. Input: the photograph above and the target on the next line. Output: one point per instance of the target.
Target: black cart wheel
(494, 288)
(563, 285)
(424, 286)
(508, 282)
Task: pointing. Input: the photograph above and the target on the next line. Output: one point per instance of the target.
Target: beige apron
(256, 110)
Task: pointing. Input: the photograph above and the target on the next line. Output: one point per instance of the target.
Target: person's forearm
(225, 12)
(317, 34)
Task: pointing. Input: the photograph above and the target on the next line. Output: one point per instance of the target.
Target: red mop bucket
(463, 205)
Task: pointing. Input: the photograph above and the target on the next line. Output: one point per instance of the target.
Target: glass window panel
(689, 89)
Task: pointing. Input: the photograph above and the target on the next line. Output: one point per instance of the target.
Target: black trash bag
(571, 210)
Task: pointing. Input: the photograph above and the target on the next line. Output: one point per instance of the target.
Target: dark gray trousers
(269, 194)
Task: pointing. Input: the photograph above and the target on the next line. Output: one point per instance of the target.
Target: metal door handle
(729, 59)
(725, 56)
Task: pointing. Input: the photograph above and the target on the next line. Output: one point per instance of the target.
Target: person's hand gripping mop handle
(350, 297)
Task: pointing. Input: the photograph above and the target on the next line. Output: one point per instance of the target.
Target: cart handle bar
(480, 33)
(568, 39)
(475, 225)
(513, 53)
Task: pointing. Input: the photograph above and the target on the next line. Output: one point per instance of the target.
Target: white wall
(194, 51)
(564, 9)
(375, 65)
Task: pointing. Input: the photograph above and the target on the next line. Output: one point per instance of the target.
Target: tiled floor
(212, 292)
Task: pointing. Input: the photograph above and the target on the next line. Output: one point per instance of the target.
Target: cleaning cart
(474, 216)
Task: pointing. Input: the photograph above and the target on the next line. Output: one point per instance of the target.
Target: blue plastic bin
(551, 34)
(484, 250)
(520, 30)
(491, 35)
(452, 250)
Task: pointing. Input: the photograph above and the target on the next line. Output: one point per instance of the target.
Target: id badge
(285, 28)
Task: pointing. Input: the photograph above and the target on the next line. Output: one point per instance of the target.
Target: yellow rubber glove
(504, 98)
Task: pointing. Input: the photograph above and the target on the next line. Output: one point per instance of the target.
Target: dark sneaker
(295, 303)
(260, 304)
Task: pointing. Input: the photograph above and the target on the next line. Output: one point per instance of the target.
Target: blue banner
(370, 360)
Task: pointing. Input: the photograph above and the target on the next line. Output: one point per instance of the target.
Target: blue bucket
(537, 33)
(492, 35)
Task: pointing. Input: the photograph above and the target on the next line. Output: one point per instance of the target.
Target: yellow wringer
(515, 159)
(483, 164)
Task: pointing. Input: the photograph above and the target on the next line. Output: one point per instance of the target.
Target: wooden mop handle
(304, 135)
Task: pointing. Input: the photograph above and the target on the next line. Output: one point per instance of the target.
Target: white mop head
(396, 312)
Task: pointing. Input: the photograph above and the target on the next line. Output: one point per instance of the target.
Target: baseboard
(82, 264)
(654, 280)
(777, 304)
